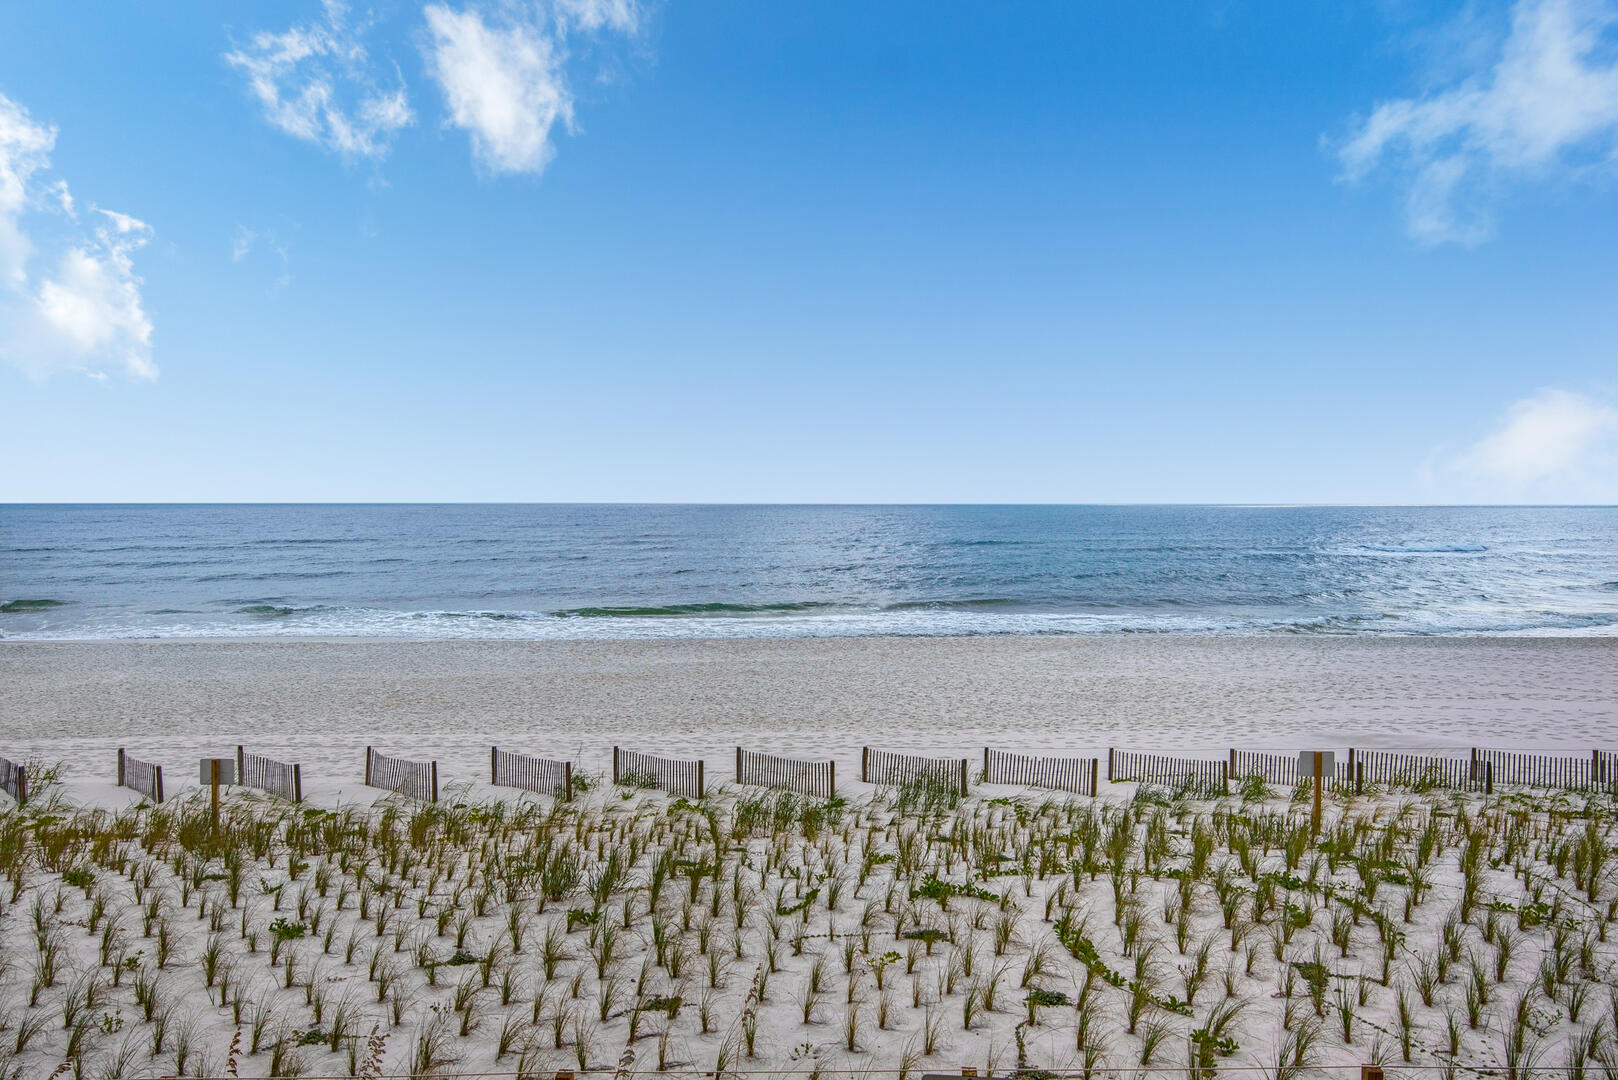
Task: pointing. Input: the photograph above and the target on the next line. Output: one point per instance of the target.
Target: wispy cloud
(504, 86)
(502, 69)
(504, 76)
(84, 312)
(317, 81)
(1554, 446)
(1545, 103)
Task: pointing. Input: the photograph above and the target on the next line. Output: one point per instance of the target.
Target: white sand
(321, 702)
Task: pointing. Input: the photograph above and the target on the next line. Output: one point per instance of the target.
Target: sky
(664, 250)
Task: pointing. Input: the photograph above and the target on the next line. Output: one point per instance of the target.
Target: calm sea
(545, 571)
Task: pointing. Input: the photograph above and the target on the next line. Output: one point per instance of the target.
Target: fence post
(831, 779)
(963, 776)
(1473, 774)
(367, 766)
(567, 781)
(985, 764)
(1109, 764)
(494, 774)
(435, 781)
(865, 764)
(297, 783)
(241, 763)
(120, 766)
(738, 764)
(699, 778)
(1359, 777)
(1314, 814)
(1231, 770)
(615, 765)
(1595, 768)
(1488, 778)
(158, 769)
(1095, 767)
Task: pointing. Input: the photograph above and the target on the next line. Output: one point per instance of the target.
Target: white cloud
(1554, 446)
(1546, 103)
(593, 15)
(504, 85)
(317, 82)
(85, 312)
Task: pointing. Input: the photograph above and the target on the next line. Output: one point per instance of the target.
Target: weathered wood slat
(886, 767)
(676, 776)
(1077, 775)
(402, 776)
(816, 778)
(541, 775)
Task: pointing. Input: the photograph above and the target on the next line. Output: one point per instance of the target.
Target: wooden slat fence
(1606, 766)
(1565, 771)
(267, 774)
(541, 775)
(1274, 768)
(1199, 775)
(886, 767)
(673, 775)
(1060, 774)
(141, 776)
(14, 780)
(1398, 769)
(415, 779)
(1282, 769)
(815, 778)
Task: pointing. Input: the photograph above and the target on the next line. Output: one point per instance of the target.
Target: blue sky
(617, 250)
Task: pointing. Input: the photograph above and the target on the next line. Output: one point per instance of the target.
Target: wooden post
(493, 773)
(963, 776)
(1351, 763)
(1371, 1072)
(435, 781)
(213, 792)
(1314, 814)
(297, 783)
(22, 784)
(831, 779)
(367, 766)
(1595, 768)
(615, 765)
(120, 766)
(985, 764)
(241, 762)
(865, 764)
(1095, 767)
(1232, 768)
(738, 764)
(567, 781)
(1488, 778)
(1359, 778)
(699, 778)
(158, 769)
(1109, 764)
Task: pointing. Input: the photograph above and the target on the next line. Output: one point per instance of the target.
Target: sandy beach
(324, 700)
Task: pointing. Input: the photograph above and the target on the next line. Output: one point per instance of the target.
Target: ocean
(619, 571)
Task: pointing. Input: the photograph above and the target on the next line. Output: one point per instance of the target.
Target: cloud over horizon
(1546, 105)
(1553, 446)
(85, 311)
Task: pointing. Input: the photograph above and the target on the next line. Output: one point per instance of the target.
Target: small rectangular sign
(1306, 763)
(227, 770)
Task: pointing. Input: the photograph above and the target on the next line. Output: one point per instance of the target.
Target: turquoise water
(595, 571)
